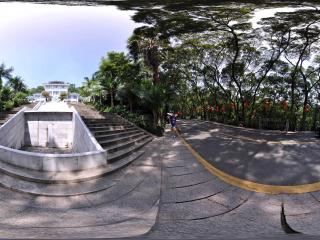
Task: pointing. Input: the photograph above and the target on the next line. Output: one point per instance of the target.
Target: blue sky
(54, 42)
(65, 43)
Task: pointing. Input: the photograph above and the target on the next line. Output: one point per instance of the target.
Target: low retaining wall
(83, 140)
(92, 154)
(12, 132)
(52, 162)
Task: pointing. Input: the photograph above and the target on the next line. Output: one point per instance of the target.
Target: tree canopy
(206, 60)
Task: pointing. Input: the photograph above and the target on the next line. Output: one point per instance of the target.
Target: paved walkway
(54, 107)
(166, 193)
(267, 157)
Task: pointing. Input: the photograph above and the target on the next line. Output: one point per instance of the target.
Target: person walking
(173, 122)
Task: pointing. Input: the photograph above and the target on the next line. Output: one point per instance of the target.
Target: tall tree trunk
(155, 118)
(238, 112)
(156, 81)
(243, 113)
(293, 117)
(304, 113)
(315, 114)
(156, 76)
(112, 99)
(130, 104)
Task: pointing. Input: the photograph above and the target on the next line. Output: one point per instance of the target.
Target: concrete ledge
(52, 162)
(12, 131)
(83, 140)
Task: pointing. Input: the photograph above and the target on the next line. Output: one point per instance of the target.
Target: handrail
(36, 107)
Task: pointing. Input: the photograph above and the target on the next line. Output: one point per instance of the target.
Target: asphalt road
(267, 157)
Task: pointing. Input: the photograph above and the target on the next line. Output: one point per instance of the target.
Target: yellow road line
(248, 185)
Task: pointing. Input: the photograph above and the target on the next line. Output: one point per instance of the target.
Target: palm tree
(5, 73)
(91, 88)
(149, 48)
(17, 84)
(146, 44)
(111, 72)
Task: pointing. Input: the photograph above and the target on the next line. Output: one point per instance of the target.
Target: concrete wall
(83, 140)
(16, 131)
(48, 129)
(12, 132)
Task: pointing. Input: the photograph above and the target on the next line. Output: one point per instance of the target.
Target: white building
(73, 97)
(55, 88)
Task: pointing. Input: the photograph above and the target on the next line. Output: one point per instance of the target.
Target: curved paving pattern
(196, 204)
(127, 208)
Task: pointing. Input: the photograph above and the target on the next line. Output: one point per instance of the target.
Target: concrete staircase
(122, 140)
(117, 136)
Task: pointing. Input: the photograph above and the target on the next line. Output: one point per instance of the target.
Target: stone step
(110, 127)
(29, 175)
(102, 132)
(127, 144)
(110, 142)
(113, 135)
(101, 120)
(55, 190)
(108, 123)
(113, 157)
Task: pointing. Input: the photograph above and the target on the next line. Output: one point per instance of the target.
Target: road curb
(248, 185)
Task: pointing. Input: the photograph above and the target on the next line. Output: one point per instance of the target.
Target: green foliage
(13, 94)
(46, 95)
(73, 89)
(6, 94)
(8, 105)
(142, 120)
(16, 84)
(5, 73)
(19, 99)
(63, 96)
(38, 89)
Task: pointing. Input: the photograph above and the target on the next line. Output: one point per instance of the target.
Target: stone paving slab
(132, 227)
(190, 193)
